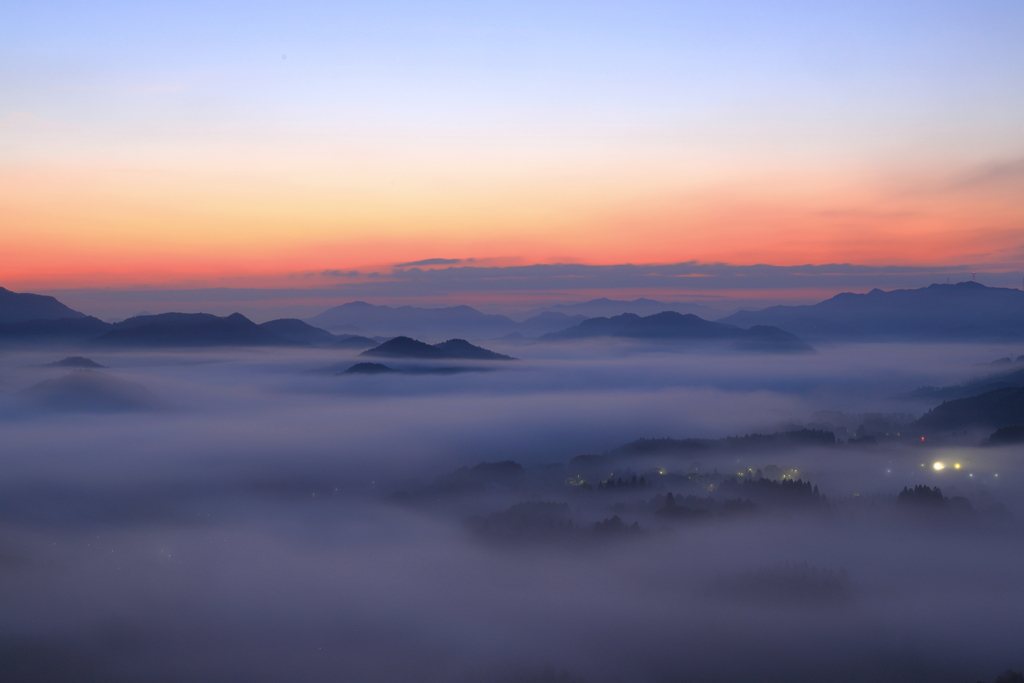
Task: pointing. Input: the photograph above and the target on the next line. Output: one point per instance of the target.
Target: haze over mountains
(16, 308)
(296, 497)
(607, 308)
(964, 311)
(466, 321)
(404, 347)
(676, 326)
(453, 321)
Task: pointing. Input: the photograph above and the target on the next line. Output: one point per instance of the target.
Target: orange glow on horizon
(80, 227)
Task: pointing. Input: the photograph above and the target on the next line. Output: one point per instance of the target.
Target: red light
(922, 438)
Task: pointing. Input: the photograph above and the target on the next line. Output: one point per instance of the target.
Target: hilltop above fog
(607, 308)
(961, 312)
(965, 311)
(404, 347)
(17, 308)
(689, 327)
(447, 322)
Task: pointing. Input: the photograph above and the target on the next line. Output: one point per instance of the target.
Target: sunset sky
(260, 145)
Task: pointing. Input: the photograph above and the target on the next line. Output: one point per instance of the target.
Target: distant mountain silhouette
(380, 368)
(1007, 435)
(75, 362)
(460, 348)
(353, 341)
(993, 409)
(607, 308)
(188, 330)
(410, 320)
(596, 467)
(90, 391)
(444, 323)
(167, 319)
(672, 325)
(61, 330)
(405, 347)
(962, 311)
(368, 369)
(1001, 380)
(16, 308)
(748, 442)
(549, 321)
(297, 331)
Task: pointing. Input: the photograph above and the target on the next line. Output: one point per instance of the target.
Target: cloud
(992, 175)
(432, 262)
(340, 273)
(537, 285)
(252, 533)
(583, 280)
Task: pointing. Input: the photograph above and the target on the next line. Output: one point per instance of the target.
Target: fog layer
(244, 515)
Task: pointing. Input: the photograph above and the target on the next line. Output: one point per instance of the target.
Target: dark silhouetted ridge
(62, 329)
(76, 362)
(406, 347)
(295, 330)
(961, 311)
(90, 391)
(188, 330)
(794, 438)
(993, 409)
(353, 341)
(1007, 435)
(430, 322)
(1014, 378)
(678, 326)
(16, 308)
(460, 348)
(368, 369)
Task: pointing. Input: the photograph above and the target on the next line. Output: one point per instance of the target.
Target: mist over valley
(609, 507)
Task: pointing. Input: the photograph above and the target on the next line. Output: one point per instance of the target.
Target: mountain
(87, 390)
(460, 348)
(354, 341)
(607, 308)
(62, 330)
(672, 325)
(188, 330)
(748, 442)
(1000, 380)
(993, 409)
(16, 308)
(368, 369)
(381, 369)
(964, 311)
(597, 467)
(75, 362)
(167, 319)
(462, 321)
(443, 323)
(296, 331)
(1006, 436)
(404, 347)
(544, 323)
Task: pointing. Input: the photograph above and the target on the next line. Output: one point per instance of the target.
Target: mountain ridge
(447, 322)
(406, 347)
(677, 326)
(18, 307)
(188, 330)
(963, 311)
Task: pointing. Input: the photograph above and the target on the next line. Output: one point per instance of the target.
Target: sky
(266, 145)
